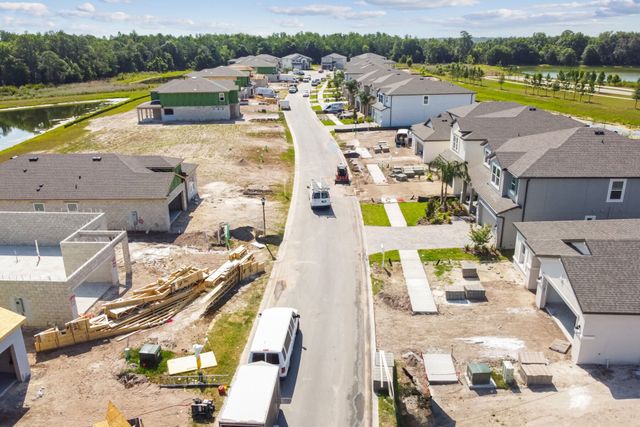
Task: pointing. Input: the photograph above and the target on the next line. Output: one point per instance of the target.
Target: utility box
(150, 355)
(507, 371)
(469, 269)
(479, 373)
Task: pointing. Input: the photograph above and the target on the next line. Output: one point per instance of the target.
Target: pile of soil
(396, 302)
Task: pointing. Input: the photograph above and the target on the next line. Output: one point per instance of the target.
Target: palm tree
(365, 99)
(352, 88)
(448, 171)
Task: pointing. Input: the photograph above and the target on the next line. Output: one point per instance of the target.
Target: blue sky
(422, 18)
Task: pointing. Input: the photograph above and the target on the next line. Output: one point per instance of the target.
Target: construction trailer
(254, 397)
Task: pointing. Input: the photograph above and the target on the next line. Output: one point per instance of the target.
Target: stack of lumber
(155, 303)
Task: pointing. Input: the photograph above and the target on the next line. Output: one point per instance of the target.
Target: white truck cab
(319, 195)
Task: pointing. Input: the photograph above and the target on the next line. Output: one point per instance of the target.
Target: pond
(20, 124)
(628, 74)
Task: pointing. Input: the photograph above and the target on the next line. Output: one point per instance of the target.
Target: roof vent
(24, 170)
(33, 159)
(532, 108)
(599, 132)
(96, 158)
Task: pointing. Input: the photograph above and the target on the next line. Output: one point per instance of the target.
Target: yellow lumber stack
(153, 304)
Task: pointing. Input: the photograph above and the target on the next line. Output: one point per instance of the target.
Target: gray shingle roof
(574, 153)
(440, 129)
(221, 71)
(79, 177)
(196, 85)
(608, 279)
(333, 57)
(296, 56)
(415, 85)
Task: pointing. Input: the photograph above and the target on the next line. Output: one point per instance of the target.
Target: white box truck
(254, 397)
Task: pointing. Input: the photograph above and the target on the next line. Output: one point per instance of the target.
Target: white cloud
(116, 1)
(36, 9)
(86, 7)
(420, 4)
(338, 12)
(290, 23)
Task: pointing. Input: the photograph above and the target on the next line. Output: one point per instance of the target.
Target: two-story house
(296, 61)
(526, 164)
(586, 276)
(414, 99)
(333, 61)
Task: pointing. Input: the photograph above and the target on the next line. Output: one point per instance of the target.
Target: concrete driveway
(454, 235)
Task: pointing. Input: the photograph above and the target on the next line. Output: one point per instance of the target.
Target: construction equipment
(154, 304)
(202, 410)
(342, 175)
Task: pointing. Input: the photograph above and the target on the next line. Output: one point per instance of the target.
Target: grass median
(374, 214)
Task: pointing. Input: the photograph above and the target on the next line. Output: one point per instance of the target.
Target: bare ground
(493, 331)
(72, 386)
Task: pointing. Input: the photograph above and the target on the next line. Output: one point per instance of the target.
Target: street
(321, 272)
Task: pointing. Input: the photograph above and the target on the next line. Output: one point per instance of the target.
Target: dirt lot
(397, 156)
(493, 331)
(72, 386)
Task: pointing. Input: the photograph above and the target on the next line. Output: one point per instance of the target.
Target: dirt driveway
(490, 332)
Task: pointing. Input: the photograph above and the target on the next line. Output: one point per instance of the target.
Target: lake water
(629, 74)
(19, 125)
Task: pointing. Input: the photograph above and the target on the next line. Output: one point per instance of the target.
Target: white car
(305, 93)
(319, 195)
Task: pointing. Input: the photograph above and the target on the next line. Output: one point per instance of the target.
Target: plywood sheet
(188, 363)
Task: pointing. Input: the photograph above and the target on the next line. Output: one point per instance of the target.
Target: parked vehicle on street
(306, 79)
(288, 78)
(275, 336)
(293, 89)
(402, 138)
(254, 397)
(342, 175)
(315, 82)
(319, 195)
(298, 72)
(284, 104)
(305, 93)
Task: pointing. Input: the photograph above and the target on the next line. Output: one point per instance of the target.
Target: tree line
(57, 57)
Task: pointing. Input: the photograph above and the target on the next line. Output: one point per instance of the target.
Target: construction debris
(114, 418)
(561, 346)
(188, 363)
(155, 303)
(192, 381)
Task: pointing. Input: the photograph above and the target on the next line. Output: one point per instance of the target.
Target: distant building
(194, 99)
(333, 61)
(296, 61)
(145, 193)
(241, 78)
(267, 65)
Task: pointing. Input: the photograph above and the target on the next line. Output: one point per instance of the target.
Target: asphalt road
(321, 266)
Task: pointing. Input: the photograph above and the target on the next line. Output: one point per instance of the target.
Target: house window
(455, 144)
(513, 186)
(521, 253)
(72, 207)
(381, 98)
(487, 154)
(425, 100)
(616, 190)
(589, 217)
(496, 172)
(38, 207)
(168, 111)
(221, 97)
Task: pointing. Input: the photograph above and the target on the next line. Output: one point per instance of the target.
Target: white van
(275, 337)
(334, 107)
(319, 195)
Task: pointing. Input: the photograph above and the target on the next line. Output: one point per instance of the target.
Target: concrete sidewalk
(396, 218)
(454, 235)
(376, 174)
(417, 284)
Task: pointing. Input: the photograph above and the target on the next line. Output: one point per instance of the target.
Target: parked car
(298, 72)
(305, 93)
(334, 107)
(321, 71)
(306, 79)
(275, 336)
(293, 89)
(315, 82)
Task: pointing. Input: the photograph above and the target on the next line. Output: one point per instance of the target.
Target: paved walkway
(376, 174)
(417, 283)
(396, 218)
(454, 235)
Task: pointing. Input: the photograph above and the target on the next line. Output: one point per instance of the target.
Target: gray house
(333, 61)
(296, 61)
(530, 165)
(586, 276)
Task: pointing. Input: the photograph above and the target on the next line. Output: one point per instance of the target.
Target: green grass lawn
(412, 211)
(386, 412)
(600, 109)
(374, 214)
(155, 372)
(327, 122)
(316, 108)
(45, 100)
(426, 255)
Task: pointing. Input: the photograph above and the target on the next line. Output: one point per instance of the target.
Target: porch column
(126, 256)
(463, 193)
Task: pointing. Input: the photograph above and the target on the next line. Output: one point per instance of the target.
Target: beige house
(143, 193)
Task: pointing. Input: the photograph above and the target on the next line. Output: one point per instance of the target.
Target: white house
(432, 137)
(14, 365)
(586, 275)
(296, 61)
(416, 99)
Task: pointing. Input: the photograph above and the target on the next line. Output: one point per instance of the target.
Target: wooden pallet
(154, 304)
